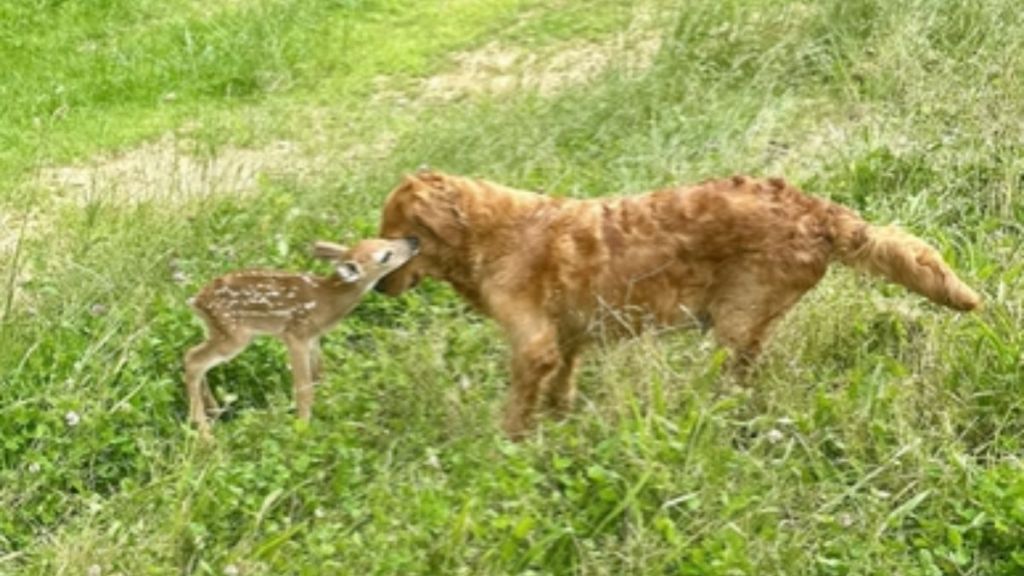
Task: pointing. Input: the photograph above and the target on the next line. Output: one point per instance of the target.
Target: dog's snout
(414, 243)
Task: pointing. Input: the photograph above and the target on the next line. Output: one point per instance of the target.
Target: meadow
(149, 145)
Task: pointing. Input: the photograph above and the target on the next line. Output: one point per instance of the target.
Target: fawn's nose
(414, 243)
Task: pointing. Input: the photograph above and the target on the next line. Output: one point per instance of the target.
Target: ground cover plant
(147, 146)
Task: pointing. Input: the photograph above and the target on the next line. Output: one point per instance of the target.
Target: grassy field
(148, 145)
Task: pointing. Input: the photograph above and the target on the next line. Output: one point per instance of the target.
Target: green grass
(882, 435)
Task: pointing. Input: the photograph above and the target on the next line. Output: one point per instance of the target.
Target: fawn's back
(274, 302)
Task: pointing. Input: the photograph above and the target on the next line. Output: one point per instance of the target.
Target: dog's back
(730, 248)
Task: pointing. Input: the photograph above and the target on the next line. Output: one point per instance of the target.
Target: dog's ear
(438, 212)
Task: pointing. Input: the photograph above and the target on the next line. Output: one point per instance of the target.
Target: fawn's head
(369, 260)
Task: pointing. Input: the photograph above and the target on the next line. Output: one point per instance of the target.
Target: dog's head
(425, 206)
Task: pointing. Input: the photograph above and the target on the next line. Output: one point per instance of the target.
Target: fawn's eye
(385, 257)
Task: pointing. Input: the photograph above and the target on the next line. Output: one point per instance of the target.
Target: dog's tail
(900, 257)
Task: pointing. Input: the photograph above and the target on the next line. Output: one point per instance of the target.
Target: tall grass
(880, 435)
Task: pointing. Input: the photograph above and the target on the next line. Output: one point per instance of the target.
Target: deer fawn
(296, 308)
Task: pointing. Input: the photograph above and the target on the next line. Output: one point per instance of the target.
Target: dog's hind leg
(743, 322)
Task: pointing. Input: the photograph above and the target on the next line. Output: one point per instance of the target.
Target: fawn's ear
(349, 272)
(329, 251)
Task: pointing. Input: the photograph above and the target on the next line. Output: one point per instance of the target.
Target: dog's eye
(385, 257)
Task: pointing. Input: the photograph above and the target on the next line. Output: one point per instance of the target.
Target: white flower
(94, 570)
(774, 436)
(34, 468)
(72, 418)
(231, 570)
(432, 460)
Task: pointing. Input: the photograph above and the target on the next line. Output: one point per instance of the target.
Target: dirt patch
(172, 170)
(498, 69)
(169, 169)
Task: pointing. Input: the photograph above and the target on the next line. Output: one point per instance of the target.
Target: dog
(556, 273)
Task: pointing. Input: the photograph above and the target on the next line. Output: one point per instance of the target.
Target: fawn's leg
(316, 364)
(299, 350)
(209, 400)
(217, 349)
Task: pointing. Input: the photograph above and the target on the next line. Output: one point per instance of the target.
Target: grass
(882, 434)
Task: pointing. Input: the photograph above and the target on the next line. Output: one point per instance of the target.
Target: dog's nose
(414, 242)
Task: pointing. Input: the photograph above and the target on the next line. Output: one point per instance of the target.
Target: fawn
(296, 308)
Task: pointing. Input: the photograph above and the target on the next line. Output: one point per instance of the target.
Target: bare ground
(168, 170)
(497, 68)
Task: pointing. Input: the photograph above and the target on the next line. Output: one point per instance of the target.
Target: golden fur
(556, 273)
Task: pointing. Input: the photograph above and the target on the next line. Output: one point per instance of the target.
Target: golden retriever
(733, 254)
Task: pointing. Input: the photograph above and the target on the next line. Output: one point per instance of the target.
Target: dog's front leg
(535, 361)
(561, 389)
